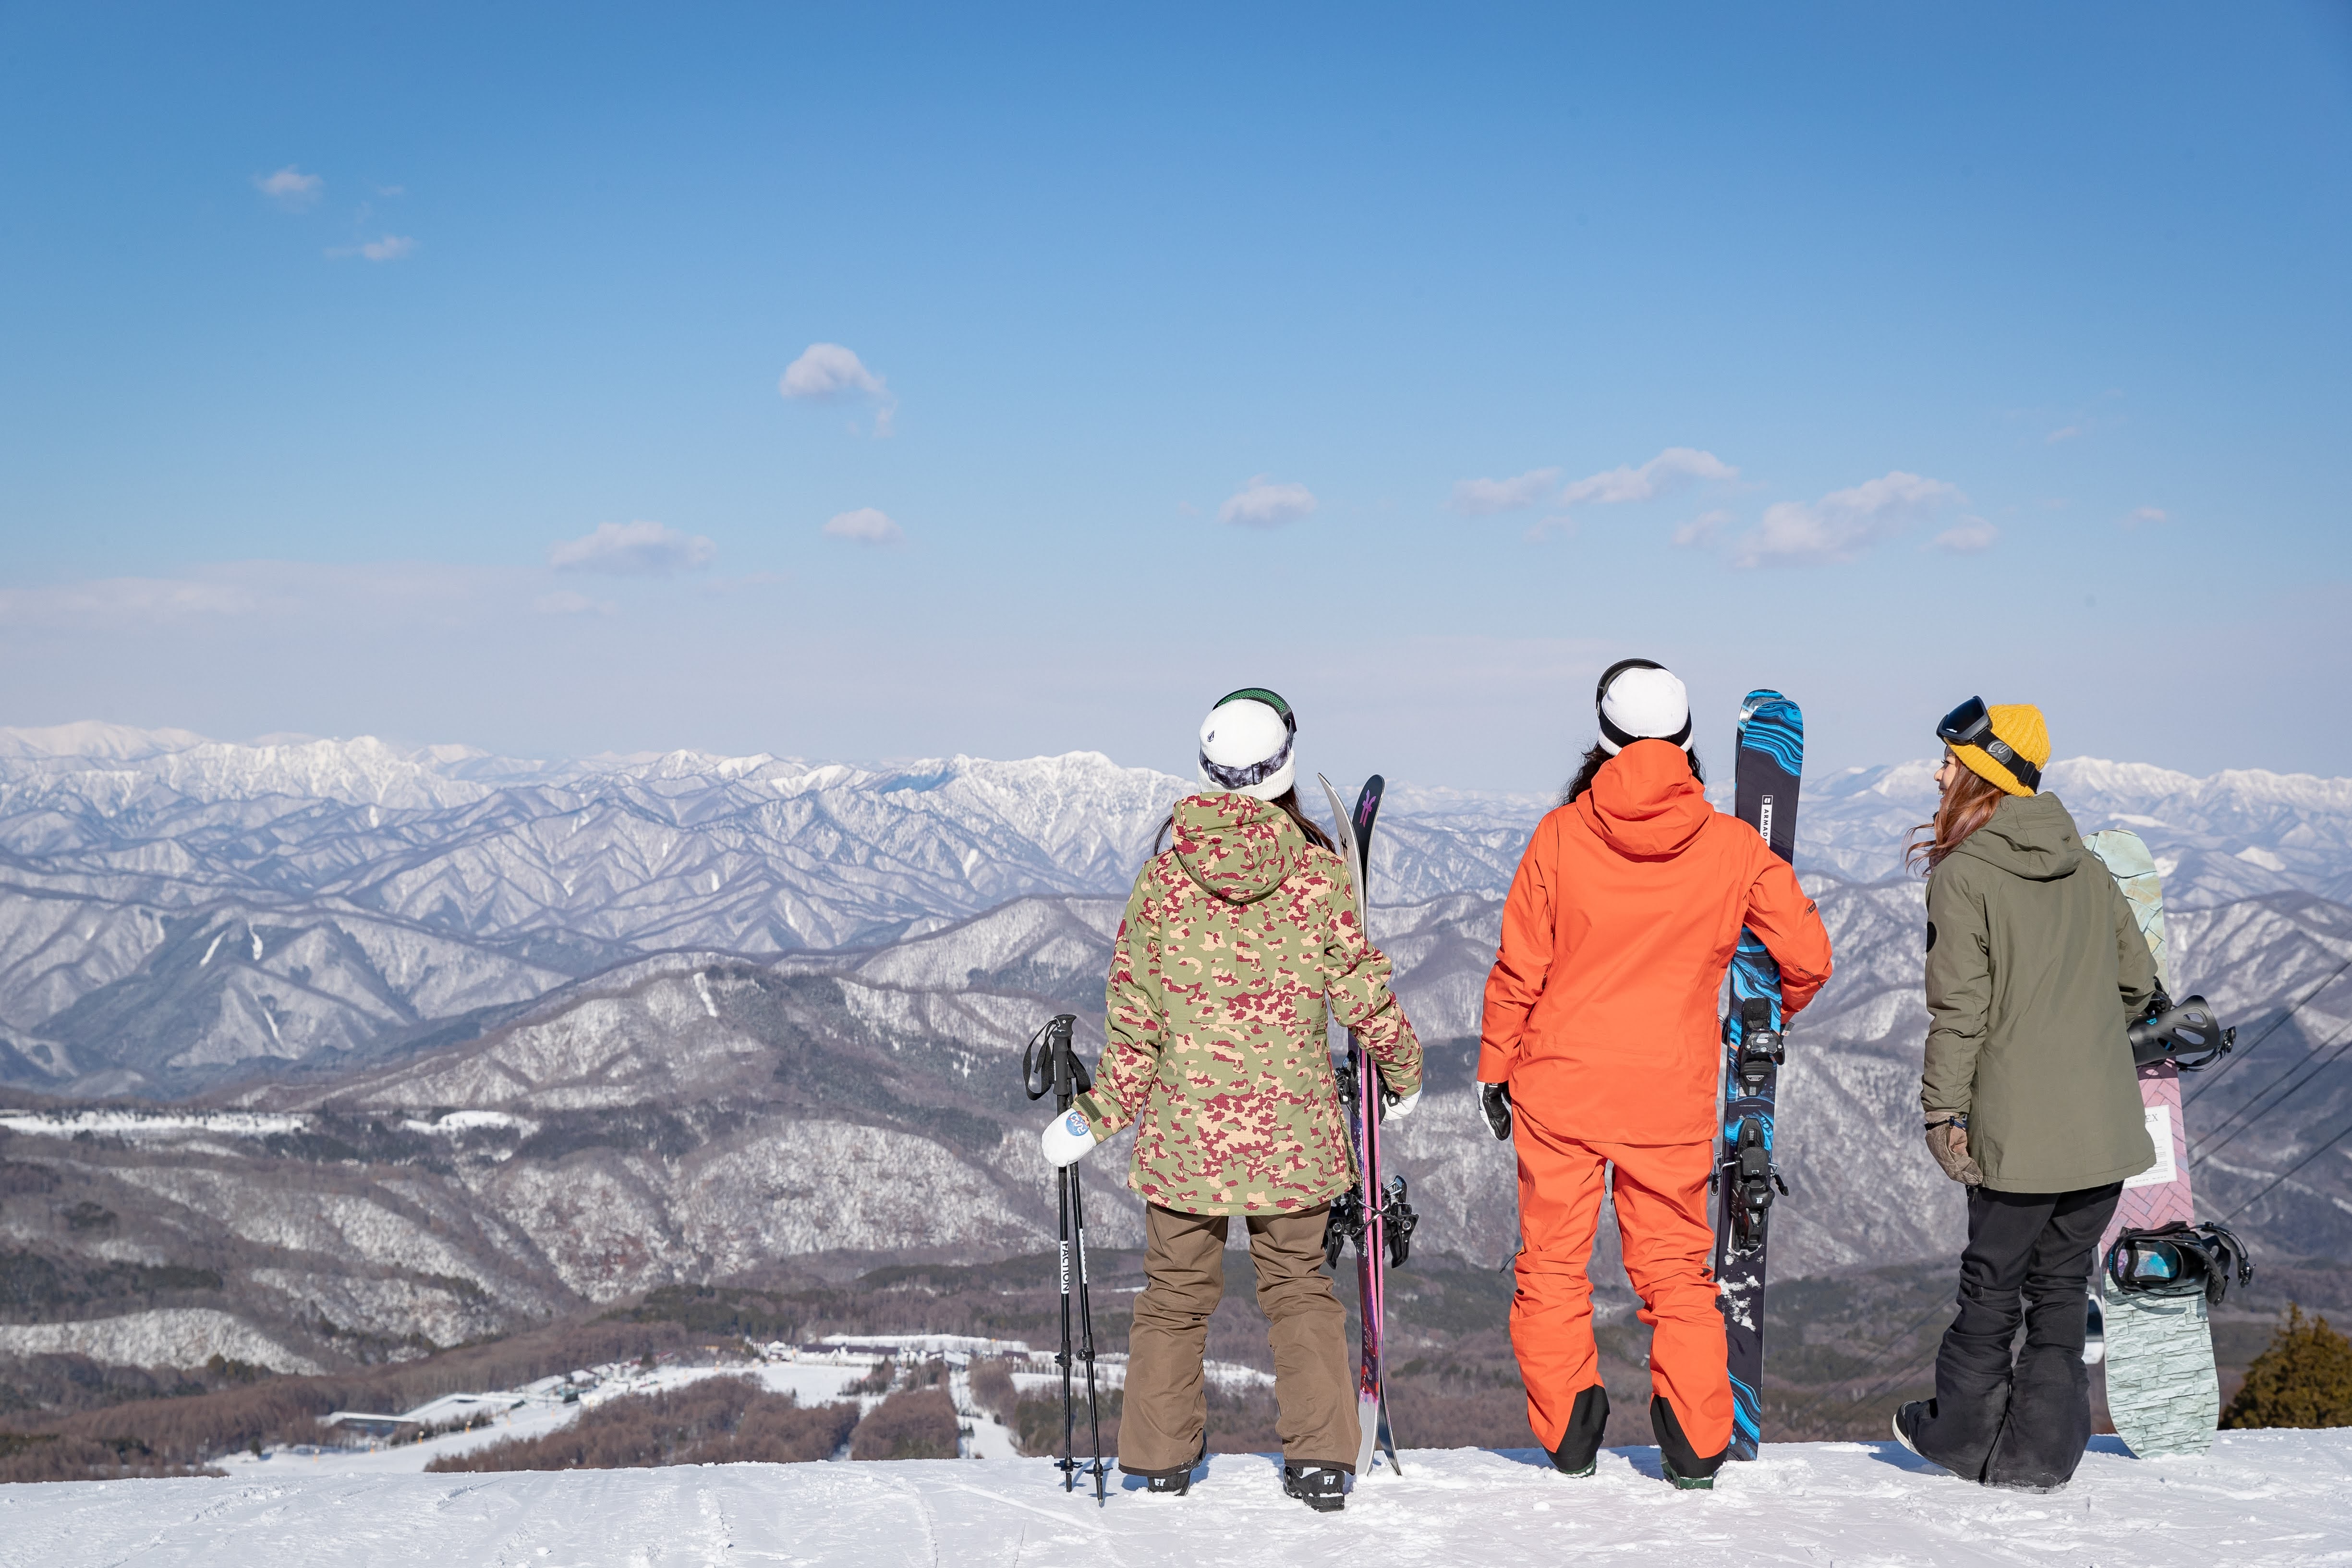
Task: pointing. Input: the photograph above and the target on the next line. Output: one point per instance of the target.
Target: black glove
(1495, 1101)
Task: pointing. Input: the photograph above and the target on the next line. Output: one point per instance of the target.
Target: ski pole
(1086, 1340)
(1056, 1070)
(1069, 1410)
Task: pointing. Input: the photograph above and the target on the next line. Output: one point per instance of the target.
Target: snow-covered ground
(2260, 1498)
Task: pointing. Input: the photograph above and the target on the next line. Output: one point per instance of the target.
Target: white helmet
(1246, 744)
(1641, 700)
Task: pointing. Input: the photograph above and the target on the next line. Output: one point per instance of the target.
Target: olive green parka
(2035, 969)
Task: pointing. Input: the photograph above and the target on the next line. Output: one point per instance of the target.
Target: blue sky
(425, 376)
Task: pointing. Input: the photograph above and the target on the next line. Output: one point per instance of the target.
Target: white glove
(1400, 1108)
(1066, 1138)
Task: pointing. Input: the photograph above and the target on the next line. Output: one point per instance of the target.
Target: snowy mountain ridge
(173, 908)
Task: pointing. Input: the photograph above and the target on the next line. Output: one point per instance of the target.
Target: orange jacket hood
(1644, 801)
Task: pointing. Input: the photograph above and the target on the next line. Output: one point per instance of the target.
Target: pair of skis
(1372, 1214)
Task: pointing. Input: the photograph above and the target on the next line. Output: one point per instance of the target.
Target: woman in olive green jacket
(2035, 970)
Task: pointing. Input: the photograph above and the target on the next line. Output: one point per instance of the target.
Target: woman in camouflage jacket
(1238, 942)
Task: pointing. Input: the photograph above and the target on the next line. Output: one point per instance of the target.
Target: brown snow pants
(1164, 1420)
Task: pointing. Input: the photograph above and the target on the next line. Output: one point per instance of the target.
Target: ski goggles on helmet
(1618, 735)
(1971, 724)
(2178, 1260)
(1255, 773)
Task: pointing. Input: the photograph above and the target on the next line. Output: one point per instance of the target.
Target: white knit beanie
(1640, 700)
(1246, 744)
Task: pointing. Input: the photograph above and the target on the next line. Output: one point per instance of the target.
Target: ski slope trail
(2259, 1498)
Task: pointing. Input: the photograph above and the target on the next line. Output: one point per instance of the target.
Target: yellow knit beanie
(2020, 727)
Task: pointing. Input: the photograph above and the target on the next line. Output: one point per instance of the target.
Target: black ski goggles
(1971, 724)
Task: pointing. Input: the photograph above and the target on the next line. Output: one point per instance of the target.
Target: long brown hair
(1591, 765)
(1965, 807)
(1287, 800)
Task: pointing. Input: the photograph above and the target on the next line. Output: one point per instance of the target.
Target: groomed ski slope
(2260, 1498)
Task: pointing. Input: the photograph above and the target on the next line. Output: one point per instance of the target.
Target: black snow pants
(2024, 1424)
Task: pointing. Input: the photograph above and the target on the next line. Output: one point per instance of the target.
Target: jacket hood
(1644, 803)
(1234, 847)
(2031, 837)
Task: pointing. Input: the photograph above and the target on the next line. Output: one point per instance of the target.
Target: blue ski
(1771, 761)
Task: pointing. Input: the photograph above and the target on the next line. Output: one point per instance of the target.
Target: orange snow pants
(1669, 1240)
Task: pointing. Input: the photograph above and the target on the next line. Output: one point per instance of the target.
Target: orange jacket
(1601, 1009)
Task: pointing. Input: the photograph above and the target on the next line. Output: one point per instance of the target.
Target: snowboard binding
(2169, 1030)
(2180, 1259)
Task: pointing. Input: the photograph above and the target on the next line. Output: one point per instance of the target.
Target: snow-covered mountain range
(460, 1041)
(178, 910)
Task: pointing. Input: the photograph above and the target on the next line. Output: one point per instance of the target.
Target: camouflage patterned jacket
(1215, 1046)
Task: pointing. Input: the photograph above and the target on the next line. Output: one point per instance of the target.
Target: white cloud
(276, 592)
(389, 247)
(1843, 523)
(2064, 433)
(290, 188)
(1485, 498)
(829, 372)
(1623, 484)
(634, 550)
(566, 602)
(1261, 503)
(1702, 529)
(868, 525)
(1968, 536)
(2145, 515)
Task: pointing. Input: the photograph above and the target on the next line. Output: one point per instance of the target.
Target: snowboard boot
(1682, 1464)
(2049, 1421)
(1579, 1453)
(1323, 1488)
(1173, 1483)
(1906, 1423)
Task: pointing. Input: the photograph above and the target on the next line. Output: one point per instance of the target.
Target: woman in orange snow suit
(1601, 1048)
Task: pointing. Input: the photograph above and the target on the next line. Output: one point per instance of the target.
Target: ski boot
(1176, 1482)
(1579, 1453)
(1323, 1488)
(1684, 1467)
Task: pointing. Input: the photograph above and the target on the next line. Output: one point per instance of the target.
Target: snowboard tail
(1769, 764)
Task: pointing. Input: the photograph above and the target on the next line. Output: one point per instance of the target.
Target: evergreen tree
(2304, 1379)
